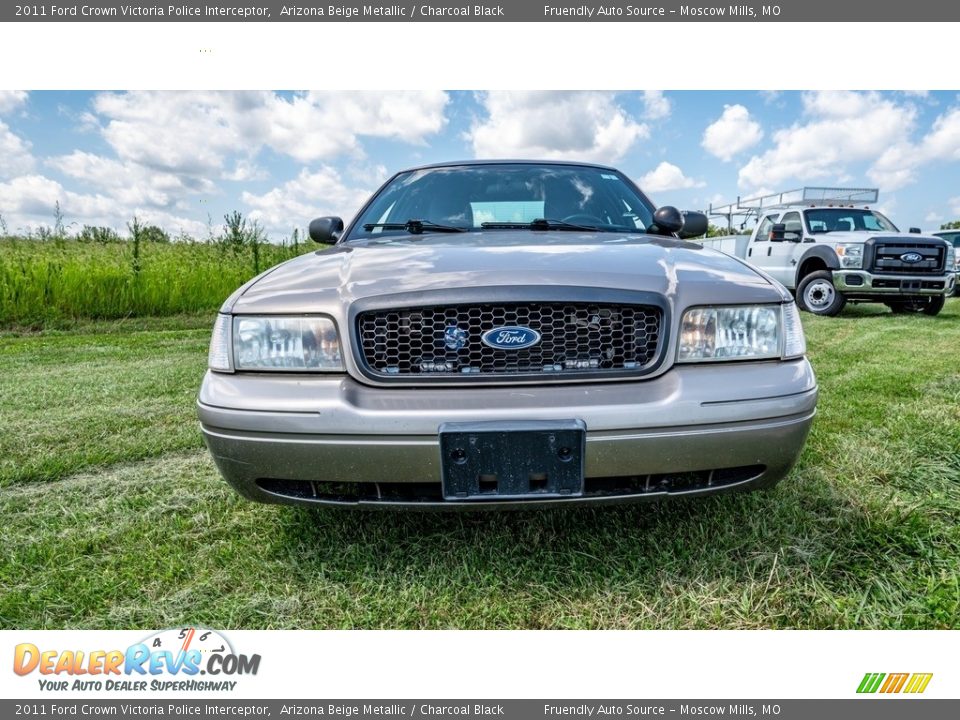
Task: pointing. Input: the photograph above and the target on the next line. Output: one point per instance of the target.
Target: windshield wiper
(416, 227)
(539, 224)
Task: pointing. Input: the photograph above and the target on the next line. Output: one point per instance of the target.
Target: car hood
(685, 273)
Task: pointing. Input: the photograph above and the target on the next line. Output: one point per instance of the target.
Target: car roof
(456, 163)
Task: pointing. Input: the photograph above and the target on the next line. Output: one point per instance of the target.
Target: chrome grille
(575, 338)
(888, 257)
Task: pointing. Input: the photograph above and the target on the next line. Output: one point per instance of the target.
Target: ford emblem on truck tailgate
(512, 337)
(911, 257)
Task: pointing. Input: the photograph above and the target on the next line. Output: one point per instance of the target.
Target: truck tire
(816, 294)
(928, 306)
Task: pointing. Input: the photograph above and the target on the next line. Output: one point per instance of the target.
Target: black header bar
(505, 11)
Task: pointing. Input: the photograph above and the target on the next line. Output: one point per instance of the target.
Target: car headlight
(952, 259)
(740, 332)
(794, 341)
(220, 358)
(850, 254)
(275, 343)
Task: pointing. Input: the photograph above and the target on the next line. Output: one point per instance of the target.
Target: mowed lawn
(113, 515)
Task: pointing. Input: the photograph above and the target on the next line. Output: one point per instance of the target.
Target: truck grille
(888, 257)
(445, 341)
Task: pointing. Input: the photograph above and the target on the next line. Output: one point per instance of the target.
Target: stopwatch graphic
(180, 640)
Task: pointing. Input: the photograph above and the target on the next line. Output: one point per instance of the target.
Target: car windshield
(824, 220)
(500, 196)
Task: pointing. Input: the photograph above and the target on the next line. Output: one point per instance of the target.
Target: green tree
(95, 234)
(954, 225)
(154, 234)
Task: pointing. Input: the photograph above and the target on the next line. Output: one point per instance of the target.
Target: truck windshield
(824, 220)
(495, 197)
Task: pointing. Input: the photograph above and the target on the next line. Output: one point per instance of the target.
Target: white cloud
(842, 128)
(36, 196)
(30, 200)
(898, 164)
(554, 125)
(667, 177)
(733, 132)
(955, 205)
(321, 125)
(771, 97)
(15, 157)
(245, 170)
(309, 195)
(11, 100)
(170, 149)
(655, 105)
(194, 132)
(933, 217)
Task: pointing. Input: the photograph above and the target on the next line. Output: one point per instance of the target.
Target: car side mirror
(668, 220)
(778, 232)
(326, 230)
(695, 224)
(915, 231)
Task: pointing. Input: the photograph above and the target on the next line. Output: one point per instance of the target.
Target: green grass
(113, 515)
(58, 281)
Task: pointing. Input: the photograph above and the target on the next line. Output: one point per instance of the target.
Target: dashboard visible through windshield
(496, 196)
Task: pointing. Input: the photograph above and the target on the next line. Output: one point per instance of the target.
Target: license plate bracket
(519, 459)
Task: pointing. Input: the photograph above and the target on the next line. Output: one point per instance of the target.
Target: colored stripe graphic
(894, 683)
(918, 682)
(870, 683)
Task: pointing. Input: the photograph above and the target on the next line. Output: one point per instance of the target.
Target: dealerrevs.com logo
(168, 660)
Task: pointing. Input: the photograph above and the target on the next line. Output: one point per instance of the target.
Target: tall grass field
(49, 280)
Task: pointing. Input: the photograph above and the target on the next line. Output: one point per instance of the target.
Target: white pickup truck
(830, 248)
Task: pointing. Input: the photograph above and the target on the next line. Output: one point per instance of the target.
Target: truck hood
(862, 236)
(330, 280)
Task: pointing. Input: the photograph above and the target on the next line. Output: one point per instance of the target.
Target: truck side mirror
(326, 230)
(778, 232)
(915, 231)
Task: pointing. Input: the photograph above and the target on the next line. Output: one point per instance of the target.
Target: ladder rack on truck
(811, 196)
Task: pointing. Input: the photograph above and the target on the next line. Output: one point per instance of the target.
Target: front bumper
(694, 430)
(863, 282)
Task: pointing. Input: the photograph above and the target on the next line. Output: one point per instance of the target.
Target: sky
(182, 160)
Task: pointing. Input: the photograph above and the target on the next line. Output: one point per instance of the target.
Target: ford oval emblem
(911, 257)
(511, 337)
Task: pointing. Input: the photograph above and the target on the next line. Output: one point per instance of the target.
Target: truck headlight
(850, 254)
(275, 343)
(953, 261)
(740, 332)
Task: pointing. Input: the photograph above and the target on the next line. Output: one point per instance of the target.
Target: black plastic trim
(869, 254)
(823, 252)
(505, 294)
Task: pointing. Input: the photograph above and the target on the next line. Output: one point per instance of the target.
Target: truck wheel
(928, 306)
(935, 305)
(816, 294)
